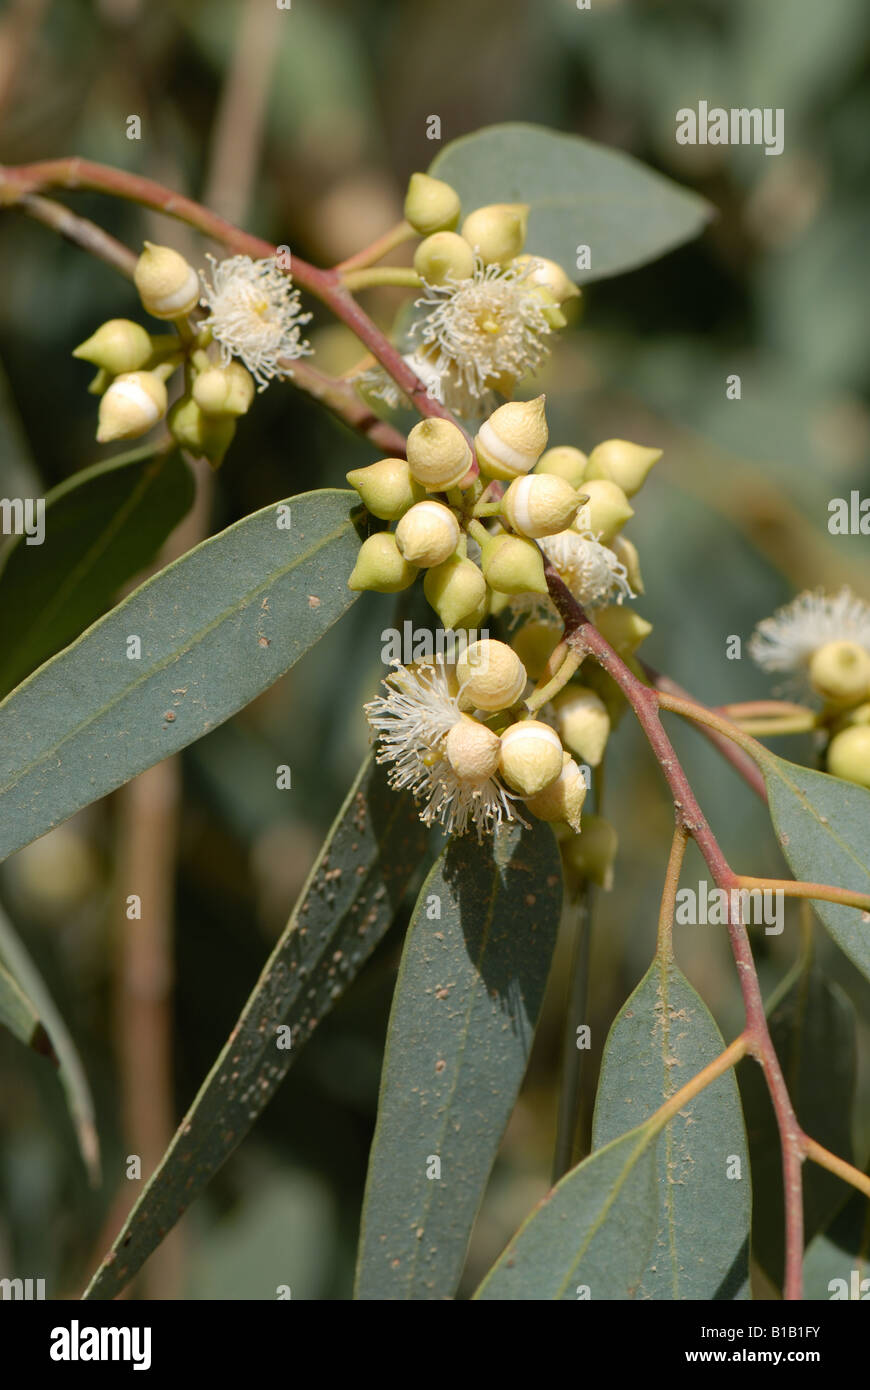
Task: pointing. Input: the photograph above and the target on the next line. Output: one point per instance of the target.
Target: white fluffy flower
(254, 315)
(787, 641)
(590, 570)
(412, 722)
(480, 329)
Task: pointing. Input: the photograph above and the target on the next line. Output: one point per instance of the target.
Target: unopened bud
(530, 757)
(849, 755)
(605, 511)
(564, 461)
(512, 440)
(168, 287)
(444, 256)
(132, 404)
(540, 504)
(381, 566)
(438, 454)
(119, 345)
(534, 644)
(497, 231)
(840, 672)
(386, 488)
(623, 463)
(622, 628)
(431, 205)
(549, 276)
(455, 589)
(626, 553)
(224, 390)
(513, 565)
(472, 750)
(583, 723)
(208, 436)
(563, 799)
(491, 675)
(427, 534)
(590, 855)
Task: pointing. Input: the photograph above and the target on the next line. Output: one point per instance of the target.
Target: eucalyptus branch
(737, 757)
(797, 888)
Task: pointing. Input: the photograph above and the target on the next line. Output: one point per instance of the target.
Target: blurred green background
(304, 125)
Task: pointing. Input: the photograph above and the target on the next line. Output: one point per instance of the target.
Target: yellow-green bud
(512, 440)
(427, 534)
(583, 723)
(455, 590)
(431, 205)
(168, 287)
(534, 644)
(438, 454)
(563, 799)
(491, 675)
(386, 488)
(623, 463)
(622, 628)
(549, 276)
(224, 390)
(133, 403)
(626, 552)
(840, 672)
(443, 256)
(513, 565)
(530, 757)
(472, 750)
(859, 715)
(564, 461)
(590, 855)
(605, 510)
(540, 504)
(119, 345)
(497, 231)
(849, 755)
(381, 566)
(208, 436)
(100, 383)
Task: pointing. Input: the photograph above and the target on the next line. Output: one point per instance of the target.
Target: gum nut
(563, 799)
(583, 723)
(455, 589)
(381, 567)
(431, 205)
(840, 672)
(605, 510)
(472, 750)
(386, 488)
(438, 454)
(540, 505)
(444, 256)
(491, 675)
(512, 440)
(624, 464)
(531, 756)
(564, 461)
(849, 755)
(427, 534)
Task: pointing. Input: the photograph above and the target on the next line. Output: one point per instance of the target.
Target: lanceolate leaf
(837, 1263)
(215, 628)
(467, 1000)
(19, 1016)
(661, 1038)
(591, 1236)
(370, 856)
(823, 826)
(102, 526)
(812, 1024)
(580, 194)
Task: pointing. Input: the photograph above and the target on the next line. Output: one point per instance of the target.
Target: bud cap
(120, 345)
(530, 757)
(431, 205)
(472, 750)
(512, 440)
(132, 404)
(623, 463)
(427, 534)
(491, 675)
(438, 454)
(168, 287)
(540, 504)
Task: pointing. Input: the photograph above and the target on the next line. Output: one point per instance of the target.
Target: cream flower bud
(438, 454)
(622, 628)
(590, 855)
(563, 799)
(583, 723)
(512, 440)
(168, 287)
(849, 755)
(472, 750)
(549, 276)
(564, 461)
(623, 463)
(119, 346)
(497, 231)
(626, 553)
(225, 390)
(530, 757)
(491, 675)
(605, 510)
(540, 504)
(455, 589)
(431, 205)
(381, 566)
(840, 672)
(386, 488)
(133, 403)
(534, 644)
(427, 534)
(443, 256)
(208, 436)
(513, 565)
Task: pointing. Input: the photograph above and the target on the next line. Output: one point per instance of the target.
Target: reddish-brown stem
(581, 634)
